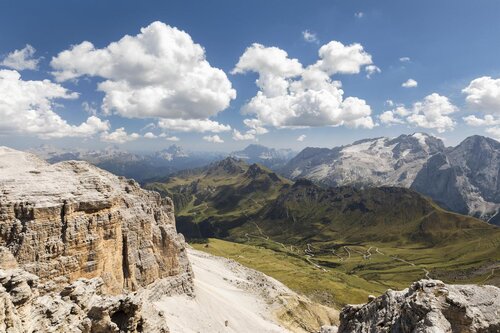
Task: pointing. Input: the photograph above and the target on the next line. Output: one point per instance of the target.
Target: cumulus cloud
(410, 83)
(90, 108)
(21, 59)
(390, 118)
(344, 59)
(494, 132)
(26, 108)
(238, 136)
(483, 94)
(371, 69)
(301, 138)
(119, 136)
(309, 36)
(158, 73)
(488, 120)
(292, 96)
(150, 135)
(193, 125)
(405, 59)
(213, 139)
(172, 138)
(433, 112)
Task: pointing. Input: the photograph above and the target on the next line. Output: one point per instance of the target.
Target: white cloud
(150, 135)
(410, 83)
(21, 59)
(159, 73)
(272, 64)
(494, 132)
(488, 120)
(291, 96)
(26, 108)
(301, 138)
(389, 102)
(238, 136)
(193, 125)
(309, 36)
(483, 94)
(344, 59)
(119, 136)
(256, 126)
(390, 118)
(213, 139)
(89, 108)
(405, 59)
(371, 69)
(172, 138)
(359, 15)
(432, 113)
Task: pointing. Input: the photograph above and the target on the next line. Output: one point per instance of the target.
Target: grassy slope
(336, 245)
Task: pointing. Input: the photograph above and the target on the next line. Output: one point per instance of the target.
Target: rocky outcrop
(71, 220)
(427, 306)
(81, 307)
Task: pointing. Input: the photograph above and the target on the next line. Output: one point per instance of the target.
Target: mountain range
(140, 167)
(462, 179)
(269, 157)
(368, 236)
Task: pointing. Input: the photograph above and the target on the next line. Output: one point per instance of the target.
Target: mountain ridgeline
(463, 179)
(385, 236)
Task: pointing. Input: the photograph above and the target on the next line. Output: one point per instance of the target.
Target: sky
(219, 75)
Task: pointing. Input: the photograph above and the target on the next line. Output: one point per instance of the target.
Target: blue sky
(449, 44)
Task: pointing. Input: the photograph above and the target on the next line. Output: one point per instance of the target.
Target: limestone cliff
(72, 220)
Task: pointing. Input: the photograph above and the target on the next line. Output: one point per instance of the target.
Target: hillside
(370, 239)
(211, 200)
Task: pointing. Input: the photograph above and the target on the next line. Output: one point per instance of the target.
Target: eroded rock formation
(81, 307)
(427, 306)
(71, 220)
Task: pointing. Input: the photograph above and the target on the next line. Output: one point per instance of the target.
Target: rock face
(80, 307)
(72, 220)
(427, 306)
(463, 179)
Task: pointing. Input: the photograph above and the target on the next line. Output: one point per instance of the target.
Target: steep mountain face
(465, 178)
(427, 306)
(370, 162)
(269, 157)
(137, 166)
(70, 220)
(462, 179)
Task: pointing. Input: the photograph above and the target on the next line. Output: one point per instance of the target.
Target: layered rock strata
(71, 220)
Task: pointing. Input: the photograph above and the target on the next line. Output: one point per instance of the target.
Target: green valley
(336, 245)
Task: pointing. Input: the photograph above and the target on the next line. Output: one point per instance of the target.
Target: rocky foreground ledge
(427, 306)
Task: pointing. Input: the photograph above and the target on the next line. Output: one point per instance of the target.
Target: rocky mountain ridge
(427, 306)
(269, 157)
(463, 179)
